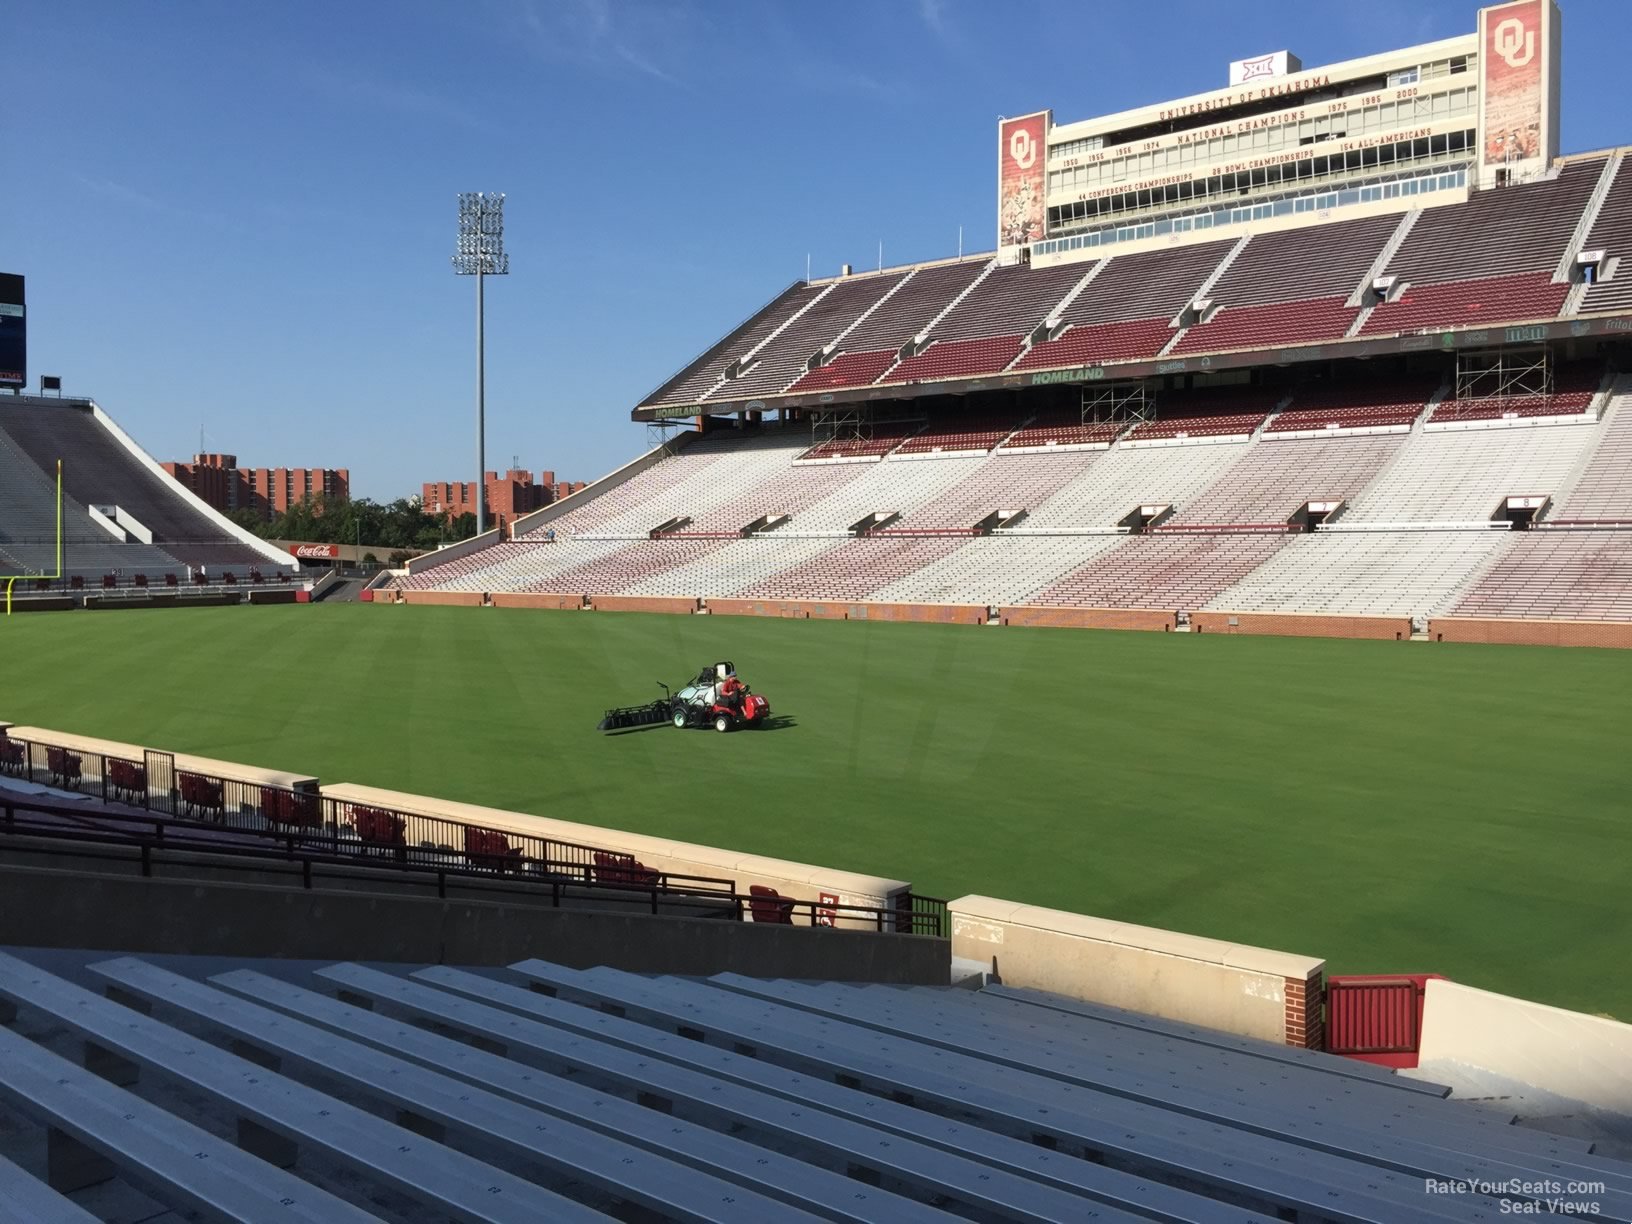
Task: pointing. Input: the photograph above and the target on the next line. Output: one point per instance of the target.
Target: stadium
(1180, 774)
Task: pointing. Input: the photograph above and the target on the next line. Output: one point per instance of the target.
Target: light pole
(480, 253)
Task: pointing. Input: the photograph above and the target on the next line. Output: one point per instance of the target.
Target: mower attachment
(635, 716)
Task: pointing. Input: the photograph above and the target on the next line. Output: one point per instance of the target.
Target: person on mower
(730, 692)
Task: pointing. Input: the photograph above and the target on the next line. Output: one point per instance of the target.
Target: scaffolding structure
(1126, 401)
(1503, 372)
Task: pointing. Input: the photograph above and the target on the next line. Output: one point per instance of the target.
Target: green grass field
(1393, 808)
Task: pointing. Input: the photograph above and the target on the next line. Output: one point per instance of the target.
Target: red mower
(715, 698)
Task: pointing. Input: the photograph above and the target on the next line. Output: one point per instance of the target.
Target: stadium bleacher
(1409, 525)
(730, 1098)
(103, 471)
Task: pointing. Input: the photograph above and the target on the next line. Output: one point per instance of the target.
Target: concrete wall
(223, 919)
(185, 762)
(1581, 1058)
(1232, 987)
(801, 881)
(450, 552)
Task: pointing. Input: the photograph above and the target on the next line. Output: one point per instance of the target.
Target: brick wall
(678, 604)
(1306, 1012)
(799, 609)
(469, 599)
(1087, 618)
(523, 599)
(1388, 628)
(1530, 632)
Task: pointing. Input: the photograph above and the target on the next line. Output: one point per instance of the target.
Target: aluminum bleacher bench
(32, 1200)
(806, 1186)
(644, 1179)
(1409, 1134)
(178, 1163)
(1273, 1171)
(1211, 1037)
(1339, 1102)
(440, 1177)
(982, 1170)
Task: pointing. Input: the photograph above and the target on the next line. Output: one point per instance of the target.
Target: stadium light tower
(480, 253)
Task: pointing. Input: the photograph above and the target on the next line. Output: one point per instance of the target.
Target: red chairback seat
(623, 871)
(380, 827)
(490, 849)
(768, 905)
(290, 809)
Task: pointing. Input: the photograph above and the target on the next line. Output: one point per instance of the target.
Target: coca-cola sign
(315, 552)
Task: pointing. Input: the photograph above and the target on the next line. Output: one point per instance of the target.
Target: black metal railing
(175, 807)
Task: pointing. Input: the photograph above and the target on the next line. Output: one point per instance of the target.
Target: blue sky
(239, 215)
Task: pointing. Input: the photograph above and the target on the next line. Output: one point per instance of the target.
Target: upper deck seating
(1612, 234)
(957, 359)
(1092, 343)
(1490, 260)
(696, 379)
(1290, 286)
(1274, 326)
(1298, 265)
(869, 349)
(784, 359)
(1140, 294)
(1469, 303)
(984, 332)
(1501, 231)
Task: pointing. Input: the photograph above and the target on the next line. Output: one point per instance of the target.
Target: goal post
(12, 578)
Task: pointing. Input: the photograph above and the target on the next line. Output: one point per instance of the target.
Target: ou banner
(315, 552)
(1513, 60)
(1022, 154)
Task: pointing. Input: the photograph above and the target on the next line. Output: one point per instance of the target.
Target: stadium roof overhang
(1606, 326)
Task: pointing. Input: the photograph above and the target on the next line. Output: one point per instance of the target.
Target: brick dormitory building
(219, 481)
(508, 497)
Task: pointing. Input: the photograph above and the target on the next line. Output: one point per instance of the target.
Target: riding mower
(714, 698)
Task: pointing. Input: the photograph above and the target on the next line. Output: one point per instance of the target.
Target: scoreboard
(13, 332)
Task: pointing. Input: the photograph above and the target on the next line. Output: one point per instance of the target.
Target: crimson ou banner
(315, 552)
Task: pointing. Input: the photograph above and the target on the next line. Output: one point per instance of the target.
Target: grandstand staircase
(927, 332)
(1358, 296)
(743, 362)
(1046, 329)
(836, 346)
(1564, 274)
(1611, 407)
(1180, 328)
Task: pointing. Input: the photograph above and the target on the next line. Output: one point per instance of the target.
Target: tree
(399, 525)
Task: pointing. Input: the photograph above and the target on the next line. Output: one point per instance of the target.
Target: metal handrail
(519, 873)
